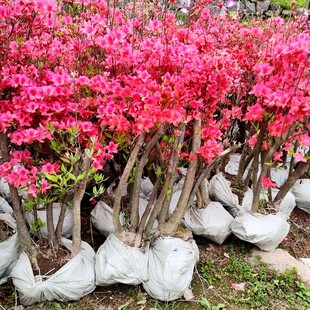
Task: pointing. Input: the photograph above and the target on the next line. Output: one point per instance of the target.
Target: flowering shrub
(81, 81)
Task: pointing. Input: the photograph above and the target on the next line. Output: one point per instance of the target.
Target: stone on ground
(281, 260)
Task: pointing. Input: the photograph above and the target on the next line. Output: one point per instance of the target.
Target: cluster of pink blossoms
(82, 66)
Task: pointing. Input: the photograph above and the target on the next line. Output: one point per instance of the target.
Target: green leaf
(52, 177)
(89, 153)
(66, 160)
(219, 307)
(165, 138)
(204, 302)
(168, 191)
(98, 177)
(72, 176)
(108, 135)
(81, 177)
(158, 172)
(291, 152)
(63, 168)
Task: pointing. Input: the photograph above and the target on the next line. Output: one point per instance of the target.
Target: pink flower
(50, 168)
(97, 164)
(263, 69)
(305, 139)
(267, 183)
(254, 113)
(300, 157)
(277, 156)
(32, 190)
(112, 147)
(252, 140)
(45, 186)
(234, 286)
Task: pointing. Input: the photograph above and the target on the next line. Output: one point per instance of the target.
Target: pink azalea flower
(32, 190)
(300, 157)
(112, 147)
(45, 186)
(277, 156)
(50, 168)
(267, 183)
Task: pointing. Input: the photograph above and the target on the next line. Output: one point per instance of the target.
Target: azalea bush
(84, 83)
(274, 109)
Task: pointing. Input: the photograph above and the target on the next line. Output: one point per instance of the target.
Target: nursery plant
(271, 108)
(90, 85)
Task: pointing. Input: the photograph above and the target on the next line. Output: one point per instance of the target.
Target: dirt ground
(126, 297)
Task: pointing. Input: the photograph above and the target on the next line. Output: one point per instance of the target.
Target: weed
(209, 272)
(132, 291)
(204, 302)
(164, 306)
(262, 284)
(54, 305)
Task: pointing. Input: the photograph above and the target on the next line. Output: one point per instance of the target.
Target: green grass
(264, 287)
(288, 3)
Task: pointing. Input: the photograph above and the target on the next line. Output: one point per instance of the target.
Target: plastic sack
(220, 191)
(9, 249)
(146, 188)
(102, 218)
(279, 176)
(212, 222)
(170, 268)
(232, 166)
(5, 207)
(174, 201)
(5, 189)
(67, 224)
(73, 281)
(265, 231)
(117, 262)
(287, 204)
(301, 191)
(286, 207)
(142, 206)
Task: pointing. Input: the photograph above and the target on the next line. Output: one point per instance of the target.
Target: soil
(50, 261)
(7, 230)
(128, 297)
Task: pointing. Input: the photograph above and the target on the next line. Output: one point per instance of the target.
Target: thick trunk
(61, 219)
(76, 208)
(244, 161)
(145, 216)
(123, 183)
(50, 227)
(35, 217)
(204, 194)
(164, 198)
(23, 234)
(171, 226)
(199, 203)
(204, 174)
(257, 185)
(134, 207)
(293, 177)
(167, 186)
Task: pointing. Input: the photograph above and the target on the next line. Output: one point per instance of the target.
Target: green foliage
(304, 292)
(54, 305)
(35, 226)
(209, 272)
(287, 4)
(204, 302)
(262, 284)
